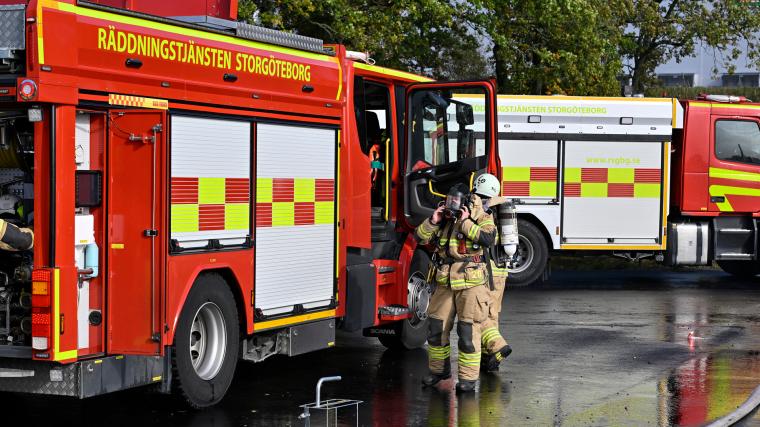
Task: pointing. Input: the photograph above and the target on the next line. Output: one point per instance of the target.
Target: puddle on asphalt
(709, 387)
(700, 390)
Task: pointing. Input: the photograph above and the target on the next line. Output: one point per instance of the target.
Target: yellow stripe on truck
(58, 355)
(287, 321)
(734, 174)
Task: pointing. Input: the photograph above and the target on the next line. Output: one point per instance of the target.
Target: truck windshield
(444, 128)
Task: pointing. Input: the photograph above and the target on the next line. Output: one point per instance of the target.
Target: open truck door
(445, 144)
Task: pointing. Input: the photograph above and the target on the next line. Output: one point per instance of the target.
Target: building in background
(698, 70)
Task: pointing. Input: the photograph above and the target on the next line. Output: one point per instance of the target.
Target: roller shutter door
(295, 217)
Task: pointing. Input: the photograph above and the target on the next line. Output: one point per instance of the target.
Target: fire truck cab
(203, 190)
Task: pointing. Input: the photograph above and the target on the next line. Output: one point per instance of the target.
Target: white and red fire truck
(203, 190)
(678, 181)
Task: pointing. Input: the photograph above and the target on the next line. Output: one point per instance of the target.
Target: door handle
(717, 199)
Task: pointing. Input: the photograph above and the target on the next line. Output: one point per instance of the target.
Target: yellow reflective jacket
(456, 243)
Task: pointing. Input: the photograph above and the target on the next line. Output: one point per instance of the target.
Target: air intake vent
(281, 38)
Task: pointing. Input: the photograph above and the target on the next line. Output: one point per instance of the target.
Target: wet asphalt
(590, 348)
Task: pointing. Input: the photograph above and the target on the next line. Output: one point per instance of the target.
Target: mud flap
(361, 294)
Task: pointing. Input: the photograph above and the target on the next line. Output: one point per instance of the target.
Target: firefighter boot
(493, 362)
(433, 378)
(466, 386)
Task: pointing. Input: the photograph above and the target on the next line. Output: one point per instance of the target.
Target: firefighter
(493, 345)
(459, 230)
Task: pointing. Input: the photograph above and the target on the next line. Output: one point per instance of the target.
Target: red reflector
(42, 319)
(41, 275)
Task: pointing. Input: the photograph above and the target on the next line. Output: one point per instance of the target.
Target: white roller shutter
(295, 217)
(210, 181)
(612, 192)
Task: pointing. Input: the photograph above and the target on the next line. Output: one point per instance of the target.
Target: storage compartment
(311, 337)
(612, 192)
(16, 221)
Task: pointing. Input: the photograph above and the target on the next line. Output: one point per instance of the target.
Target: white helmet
(487, 185)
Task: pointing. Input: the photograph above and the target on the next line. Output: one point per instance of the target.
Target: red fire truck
(203, 190)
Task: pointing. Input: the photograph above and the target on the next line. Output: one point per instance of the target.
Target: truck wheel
(412, 333)
(744, 269)
(532, 256)
(206, 342)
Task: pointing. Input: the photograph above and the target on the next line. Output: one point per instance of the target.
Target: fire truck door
(136, 139)
(734, 164)
(445, 144)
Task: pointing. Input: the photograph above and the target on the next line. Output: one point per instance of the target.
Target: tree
(552, 46)
(659, 31)
(423, 36)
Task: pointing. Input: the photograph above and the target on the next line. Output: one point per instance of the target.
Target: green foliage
(553, 46)
(423, 36)
(659, 31)
(572, 47)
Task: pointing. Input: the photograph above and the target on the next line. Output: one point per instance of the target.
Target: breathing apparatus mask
(456, 199)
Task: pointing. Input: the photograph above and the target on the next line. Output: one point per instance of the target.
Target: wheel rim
(418, 298)
(524, 256)
(208, 341)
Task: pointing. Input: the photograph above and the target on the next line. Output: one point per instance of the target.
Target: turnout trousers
(471, 307)
(491, 339)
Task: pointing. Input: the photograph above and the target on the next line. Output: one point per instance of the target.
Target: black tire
(207, 385)
(410, 336)
(743, 269)
(535, 252)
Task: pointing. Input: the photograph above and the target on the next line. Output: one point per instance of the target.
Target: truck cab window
(444, 129)
(445, 144)
(373, 119)
(737, 141)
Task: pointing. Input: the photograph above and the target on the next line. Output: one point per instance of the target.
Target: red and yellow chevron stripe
(138, 102)
(529, 181)
(209, 204)
(612, 182)
(294, 201)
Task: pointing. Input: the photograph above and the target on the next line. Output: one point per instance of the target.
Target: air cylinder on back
(508, 229)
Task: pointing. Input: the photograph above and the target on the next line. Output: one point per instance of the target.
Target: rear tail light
(41, 324)
(27, 90)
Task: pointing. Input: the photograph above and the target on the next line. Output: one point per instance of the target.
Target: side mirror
(465, 115)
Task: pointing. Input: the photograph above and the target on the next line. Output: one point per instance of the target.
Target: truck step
(15, 373)
(734, 231)
(737, 256)
(394, 312)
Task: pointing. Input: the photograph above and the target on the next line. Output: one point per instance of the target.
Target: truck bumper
(81, 379)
